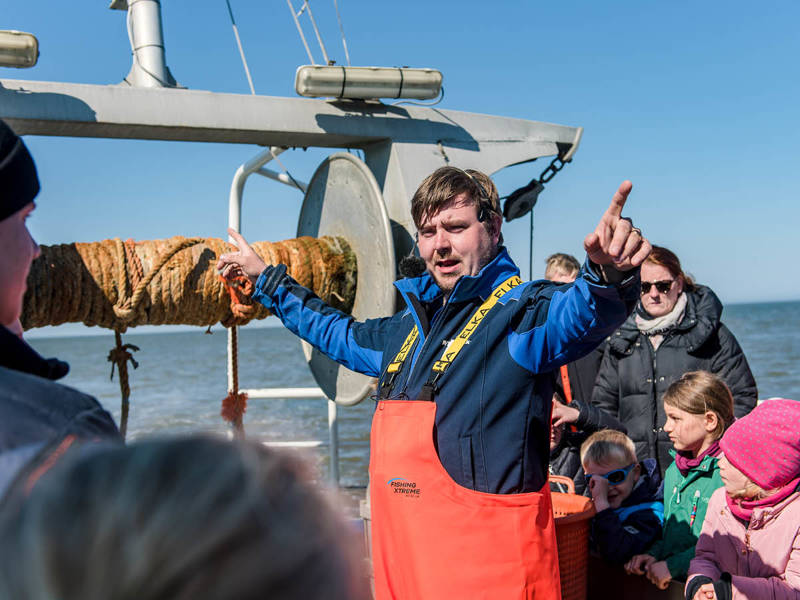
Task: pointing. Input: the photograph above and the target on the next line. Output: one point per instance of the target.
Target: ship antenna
(341, 28)
(241, 50)
(307, 7)
(300, 31)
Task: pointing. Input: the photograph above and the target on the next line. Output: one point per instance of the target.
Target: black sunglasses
(662, 286)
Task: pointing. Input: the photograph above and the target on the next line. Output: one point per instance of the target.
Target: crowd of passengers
(691, 481)
(689, 478)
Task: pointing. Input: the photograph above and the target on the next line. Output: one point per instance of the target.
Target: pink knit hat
(765, 445)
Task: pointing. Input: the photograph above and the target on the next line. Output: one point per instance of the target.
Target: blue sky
(695, 102)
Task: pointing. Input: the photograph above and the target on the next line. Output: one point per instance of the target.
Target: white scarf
(656, 327)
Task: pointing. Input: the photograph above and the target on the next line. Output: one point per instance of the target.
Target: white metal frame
(256, 165)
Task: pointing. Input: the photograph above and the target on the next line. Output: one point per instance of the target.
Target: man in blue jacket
(473, 340)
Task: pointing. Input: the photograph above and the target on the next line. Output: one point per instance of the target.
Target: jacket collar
(648, 488)
(469, 287)
(707, 464)
(763, 515)
(17, 355)
(700, 320)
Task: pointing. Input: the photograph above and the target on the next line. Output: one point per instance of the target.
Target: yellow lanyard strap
(395, 365)
(455, 345)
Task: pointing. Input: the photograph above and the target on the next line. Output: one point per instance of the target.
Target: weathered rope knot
(129, 300)
(122, 354)
(119, 357)
(234, 405)
(243, 309)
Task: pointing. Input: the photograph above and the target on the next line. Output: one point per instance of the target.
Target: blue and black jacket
(618, 534)
(493, 403)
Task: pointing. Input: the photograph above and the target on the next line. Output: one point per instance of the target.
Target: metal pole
(241, 50)
(333, 432)
(530, 267)
(147, 43)
(235, 220)
(316, 31)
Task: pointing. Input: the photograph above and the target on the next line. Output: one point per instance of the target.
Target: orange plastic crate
(572, 516)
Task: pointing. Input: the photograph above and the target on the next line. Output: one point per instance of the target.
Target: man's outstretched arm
(356, 345)
(563, 324)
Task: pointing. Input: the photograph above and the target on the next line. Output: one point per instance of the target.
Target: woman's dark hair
(666, 258)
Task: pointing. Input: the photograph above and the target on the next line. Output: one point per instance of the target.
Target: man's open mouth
(447, 265)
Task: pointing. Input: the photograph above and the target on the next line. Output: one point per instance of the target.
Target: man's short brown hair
(445, 183)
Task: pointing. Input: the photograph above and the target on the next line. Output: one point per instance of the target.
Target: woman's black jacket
(633, 377)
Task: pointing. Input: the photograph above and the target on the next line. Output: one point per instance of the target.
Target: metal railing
(256, 165)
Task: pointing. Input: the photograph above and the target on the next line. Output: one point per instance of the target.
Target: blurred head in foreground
(195, 518)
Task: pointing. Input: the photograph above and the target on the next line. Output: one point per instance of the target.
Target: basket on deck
(572, 514)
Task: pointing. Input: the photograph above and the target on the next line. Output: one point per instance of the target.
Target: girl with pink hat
(749, 547)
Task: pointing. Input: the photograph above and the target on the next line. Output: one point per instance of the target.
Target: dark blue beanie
(18, 181)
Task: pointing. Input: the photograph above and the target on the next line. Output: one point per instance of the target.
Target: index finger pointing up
(618, 201)
(237, 238)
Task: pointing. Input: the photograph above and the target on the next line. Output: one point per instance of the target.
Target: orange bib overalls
(433, 539)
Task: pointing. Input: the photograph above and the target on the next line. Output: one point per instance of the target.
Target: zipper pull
(693, 514)
(678, 497)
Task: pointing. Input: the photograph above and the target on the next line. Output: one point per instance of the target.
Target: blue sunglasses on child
(614, 477)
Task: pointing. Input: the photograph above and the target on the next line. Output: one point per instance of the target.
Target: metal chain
(554, 167)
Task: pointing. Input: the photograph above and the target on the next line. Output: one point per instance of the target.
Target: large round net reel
(344, 200)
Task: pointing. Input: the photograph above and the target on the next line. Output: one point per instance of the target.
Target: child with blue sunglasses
(626, 494)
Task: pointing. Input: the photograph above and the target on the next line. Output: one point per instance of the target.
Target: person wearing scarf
(699, 408)
(675, 329)
(750, 543)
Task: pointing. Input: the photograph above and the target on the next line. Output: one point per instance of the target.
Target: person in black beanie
(37, 415)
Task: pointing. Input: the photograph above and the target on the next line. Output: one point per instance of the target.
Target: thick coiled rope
(116, 284)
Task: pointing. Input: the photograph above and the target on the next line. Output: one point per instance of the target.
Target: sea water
(181, 380)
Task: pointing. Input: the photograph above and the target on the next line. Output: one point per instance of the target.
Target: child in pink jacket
(749, 548)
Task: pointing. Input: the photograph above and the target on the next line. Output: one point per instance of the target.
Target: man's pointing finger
(240, 241)
(619, 198)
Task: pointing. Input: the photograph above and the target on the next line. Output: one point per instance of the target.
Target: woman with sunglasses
(675, 329)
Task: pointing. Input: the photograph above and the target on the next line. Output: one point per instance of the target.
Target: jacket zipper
(654, 351)
(437, 318)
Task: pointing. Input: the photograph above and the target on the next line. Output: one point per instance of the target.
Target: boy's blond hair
(607, 446)
(561, 263)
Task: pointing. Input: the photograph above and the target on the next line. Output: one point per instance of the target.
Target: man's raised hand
(615, 241)
(244, 262)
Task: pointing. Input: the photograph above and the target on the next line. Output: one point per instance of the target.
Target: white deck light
(18, 49)
(367, 82)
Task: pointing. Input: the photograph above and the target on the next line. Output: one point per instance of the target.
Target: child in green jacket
(698, 407)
